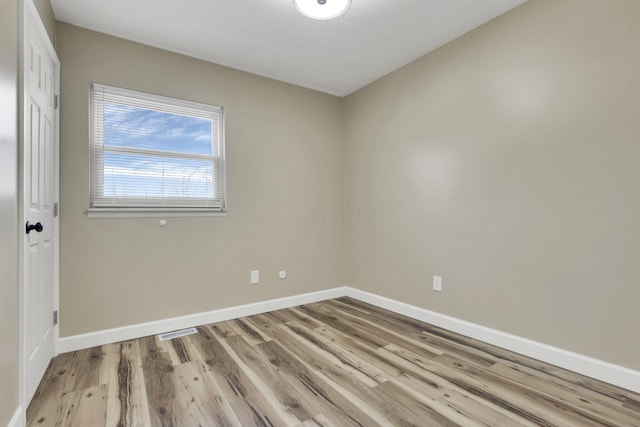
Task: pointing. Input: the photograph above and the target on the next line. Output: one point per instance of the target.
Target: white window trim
(106, 208)
(153, 213)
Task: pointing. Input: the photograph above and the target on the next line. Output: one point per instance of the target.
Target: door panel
(34, 185)
(39, 196)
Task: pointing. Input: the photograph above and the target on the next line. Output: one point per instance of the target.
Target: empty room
(320, 213)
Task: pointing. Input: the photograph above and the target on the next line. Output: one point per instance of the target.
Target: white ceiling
(270, 38)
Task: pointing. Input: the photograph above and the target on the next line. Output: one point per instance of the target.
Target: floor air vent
(177, 334)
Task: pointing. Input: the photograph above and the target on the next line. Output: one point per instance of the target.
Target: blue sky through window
(126, 126)
(156, 176)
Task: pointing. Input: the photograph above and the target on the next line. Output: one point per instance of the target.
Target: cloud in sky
(126, 126)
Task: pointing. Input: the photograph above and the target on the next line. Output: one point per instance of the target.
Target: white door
(39, 251)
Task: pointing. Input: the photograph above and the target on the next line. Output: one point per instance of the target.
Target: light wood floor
(335, 363)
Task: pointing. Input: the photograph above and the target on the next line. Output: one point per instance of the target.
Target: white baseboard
(108, 336)
(594, 368)
(598, 369)
(18, 418)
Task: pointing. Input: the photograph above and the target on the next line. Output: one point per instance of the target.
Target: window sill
(153, 213)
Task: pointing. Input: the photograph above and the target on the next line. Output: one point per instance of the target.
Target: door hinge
(55, 210)
(55, 318)
(56, 101)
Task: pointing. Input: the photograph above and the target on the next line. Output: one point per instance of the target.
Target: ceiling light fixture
(322, 9)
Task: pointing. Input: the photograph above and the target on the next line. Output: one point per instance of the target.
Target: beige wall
(284, 184)
(508, 162)
(8, 210)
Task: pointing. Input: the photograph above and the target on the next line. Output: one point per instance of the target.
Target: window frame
(123, 207)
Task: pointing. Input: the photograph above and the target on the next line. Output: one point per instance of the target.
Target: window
(153, 155)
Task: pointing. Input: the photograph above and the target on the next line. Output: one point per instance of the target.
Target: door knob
(37, 226)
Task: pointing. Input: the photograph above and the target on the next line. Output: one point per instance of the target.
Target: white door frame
(26, 8)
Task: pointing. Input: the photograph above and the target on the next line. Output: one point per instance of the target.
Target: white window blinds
(151, 152)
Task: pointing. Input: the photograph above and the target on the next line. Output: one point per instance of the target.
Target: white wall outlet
(255, 277)
(437, 283)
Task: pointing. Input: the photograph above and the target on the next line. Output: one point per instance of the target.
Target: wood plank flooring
(335, 363)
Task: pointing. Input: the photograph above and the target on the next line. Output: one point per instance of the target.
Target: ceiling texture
(270, 38)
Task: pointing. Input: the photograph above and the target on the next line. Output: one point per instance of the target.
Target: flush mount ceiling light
(322, 9)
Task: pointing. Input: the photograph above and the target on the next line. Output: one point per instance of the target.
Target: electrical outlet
(255, 277)
(437, 283)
